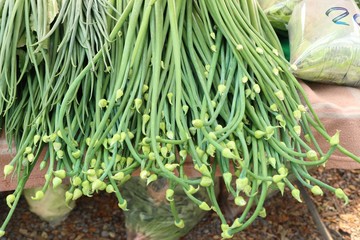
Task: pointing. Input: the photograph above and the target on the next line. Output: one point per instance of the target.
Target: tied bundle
(108, 88)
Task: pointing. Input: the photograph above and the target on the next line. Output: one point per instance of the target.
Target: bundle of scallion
(111, 87)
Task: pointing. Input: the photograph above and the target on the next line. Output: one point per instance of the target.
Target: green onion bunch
(109, 89)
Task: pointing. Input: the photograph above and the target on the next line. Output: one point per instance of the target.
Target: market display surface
(93, 92)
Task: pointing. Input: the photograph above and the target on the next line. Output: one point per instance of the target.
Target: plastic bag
(150, 216)
(325, 41)
(52, 207)
(278, 12)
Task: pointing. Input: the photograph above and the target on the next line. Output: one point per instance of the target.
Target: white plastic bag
(325, 41)
(278, 11)
(52, 207)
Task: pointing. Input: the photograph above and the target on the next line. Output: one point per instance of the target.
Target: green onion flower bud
(76, 181)
(272, 161)
(297, 115)
(77, 194)
(276, 52)
(180, 223)
(259, 134)
(204, 206)
(109, 188)
(45, 138)
(27, 150)
(312, 155)
(60, 173)
(119, 94)
(52, 137)
(130, 135)
(86, 187)
(192, 190)
(256, 88)
(203, 170)
(56, 182)
(231, 145)
(153, 177)
(38, 195)
(227, 179)
(152, 156)
(171, 166)
(96, 184)
(99, 172)
(244, 79)
(339, 193)
(334, 140)
(118, 176)
(144, 174)
(283, 171)
(213, 48)
(224, 227)
(185, 108)
(221, 89)
(241, 183)
(87, 141)
(218, 127)
(10, 199)
(226, 235)
(270, 130)
(146, 150)
(316, 190)
(206, 181)
(123, 205)
(275, 71)
(169, 194)
(68, 196)
(239, 47)
(170, 96)
(8, 169)
(297, 129)
(262, 213)
(183, 153)
(144, 88)
(247, 190)
(36, 139)
(301, 108)
(92, 164)
(56, 146)
(296, 194)
(259, 50)
(280, 95)
(197, 123)
(248, 93)
(274, 108)
(103, 103)
(137, 103)
(42, 165)
(236, 224)
(240, 201)
(211, 150)
(226, 152)
(129, 161)
(164, 151)
(281, 187)
(277, 178)
(307, 138)
(30, 157)
(76, 154)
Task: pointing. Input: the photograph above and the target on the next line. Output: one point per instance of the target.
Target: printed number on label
(343, 12)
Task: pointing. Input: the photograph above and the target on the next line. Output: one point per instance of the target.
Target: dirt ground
(100, 218)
